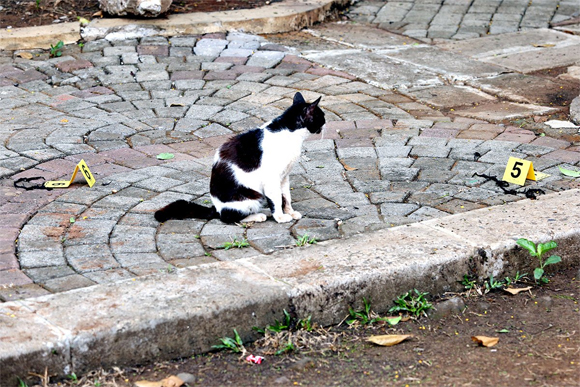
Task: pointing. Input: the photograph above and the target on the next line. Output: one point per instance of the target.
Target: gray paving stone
(397, 209)
(396, 151)
(172, 246)
(399, 174)
(41, 258)
(426, 213)
(316, 228)
(433, 163)
(62, 284)
(108, 276)
(266, 59)
(133, 239)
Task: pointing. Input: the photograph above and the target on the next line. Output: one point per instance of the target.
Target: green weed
(413, 302)
(493, 284)
(517, 278)
(289, 347)
(56, 51)
(234, 344)
(304, 240)
(235, 243)
(367, 317)
(468, 283)
(287, 324)
(538, 251)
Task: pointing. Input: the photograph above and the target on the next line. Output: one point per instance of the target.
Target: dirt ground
(22, 13)
(539, 345)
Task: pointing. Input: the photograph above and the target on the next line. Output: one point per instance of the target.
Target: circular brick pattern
(383, 160)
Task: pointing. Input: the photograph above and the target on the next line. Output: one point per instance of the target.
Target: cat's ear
(298, 98)
(311, 107)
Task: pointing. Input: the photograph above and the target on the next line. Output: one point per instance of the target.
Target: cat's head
(309, 115)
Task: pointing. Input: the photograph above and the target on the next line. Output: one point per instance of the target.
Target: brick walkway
(462, 19)
(383, 160)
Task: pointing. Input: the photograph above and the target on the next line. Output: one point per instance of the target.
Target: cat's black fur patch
(229, 215)
(244, 150)
(182, 209)
(226, 188)
(300, 115)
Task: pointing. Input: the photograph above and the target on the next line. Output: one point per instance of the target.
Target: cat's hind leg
(242, 211)
(286, 200)
(259, 217)
(274, 199)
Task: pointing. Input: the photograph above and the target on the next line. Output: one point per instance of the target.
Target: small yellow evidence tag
(518, 170)
(83, 167)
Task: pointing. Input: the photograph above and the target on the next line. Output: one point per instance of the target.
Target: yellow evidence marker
(83, 167)
(518, 170)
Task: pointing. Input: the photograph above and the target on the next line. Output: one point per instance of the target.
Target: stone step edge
(178, 314)
(287, 15)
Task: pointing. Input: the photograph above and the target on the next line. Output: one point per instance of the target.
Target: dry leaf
(544, 45)
(98, 13)
(388, 340)
(347, 167)
(24, 55)
(172, 381)
(145, 383)
(485, 341)
(515, 291)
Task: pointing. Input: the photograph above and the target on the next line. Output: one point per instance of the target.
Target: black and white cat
(253, 168)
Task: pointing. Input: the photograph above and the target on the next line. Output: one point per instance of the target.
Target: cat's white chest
(282, 149)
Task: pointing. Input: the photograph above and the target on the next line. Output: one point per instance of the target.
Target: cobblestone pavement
(383, 160)
(462, 19)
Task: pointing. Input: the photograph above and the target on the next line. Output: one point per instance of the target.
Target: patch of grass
(413, 302)
(304, 240)
(21, 383)
(517, 278)
(73, 377)
(238, 244)
(56, 50)
(288, 323)
(289, 347)
(367, 317)
(538, 251)
(234, 344)
(468, 283)
(493, 284)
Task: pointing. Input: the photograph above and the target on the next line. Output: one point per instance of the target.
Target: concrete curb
(178, 314)
(287, 15)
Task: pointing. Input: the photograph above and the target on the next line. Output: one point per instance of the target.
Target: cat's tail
(182, 209)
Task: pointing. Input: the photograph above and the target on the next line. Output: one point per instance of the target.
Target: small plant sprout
(493, 284)
(236, 243)
(304, 240)
(517, 278)
(467, 282)
(234, 344)
(413, 302)
(538, 251)
(288, 323)
(366, 316)
(289, 347)
(56, 50)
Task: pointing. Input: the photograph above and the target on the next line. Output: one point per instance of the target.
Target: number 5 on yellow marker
(518, 170)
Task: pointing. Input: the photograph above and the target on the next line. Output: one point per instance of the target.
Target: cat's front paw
(283, 218)
(295, 215)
